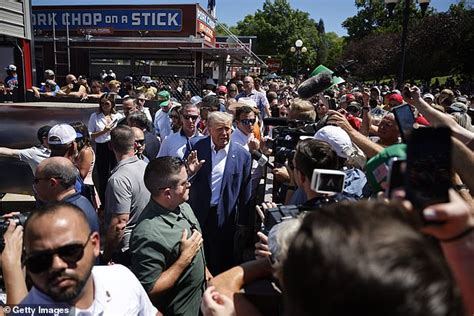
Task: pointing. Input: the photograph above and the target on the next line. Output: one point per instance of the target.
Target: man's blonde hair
(219, 117)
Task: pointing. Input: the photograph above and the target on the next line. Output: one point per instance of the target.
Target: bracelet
(459, 236)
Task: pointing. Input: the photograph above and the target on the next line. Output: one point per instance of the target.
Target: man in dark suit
(220, 192)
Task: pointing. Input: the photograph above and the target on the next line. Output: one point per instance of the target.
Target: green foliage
(335, 47)
(277, 27)
(221, 32)
(438, 44)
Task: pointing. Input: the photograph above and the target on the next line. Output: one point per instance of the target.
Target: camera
(327, 181)
(285, 138)
(18, 219)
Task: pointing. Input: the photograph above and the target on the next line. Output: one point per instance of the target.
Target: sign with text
(114, 19)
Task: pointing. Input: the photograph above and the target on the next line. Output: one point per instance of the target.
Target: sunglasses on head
(192, 117)
(41, 261)
(247, 121)
(140, 141)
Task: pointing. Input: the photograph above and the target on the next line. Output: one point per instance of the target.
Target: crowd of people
(146, 211)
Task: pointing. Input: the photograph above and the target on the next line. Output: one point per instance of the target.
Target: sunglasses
(192, 117)
(41, 261)
(247, 121)
(140, 141)
(174, 116)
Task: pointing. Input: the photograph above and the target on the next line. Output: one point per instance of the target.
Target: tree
(335, 47)
(277, 27)
(437, 44)
(322, 46)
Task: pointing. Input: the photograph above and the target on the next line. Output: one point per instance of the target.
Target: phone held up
(428, 175)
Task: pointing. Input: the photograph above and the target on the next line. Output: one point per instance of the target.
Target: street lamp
(390, 4)
(298, 49)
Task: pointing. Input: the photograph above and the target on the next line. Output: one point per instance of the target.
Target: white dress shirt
(175, 145)
(218, 165)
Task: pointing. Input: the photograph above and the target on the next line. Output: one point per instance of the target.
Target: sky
(333, 12)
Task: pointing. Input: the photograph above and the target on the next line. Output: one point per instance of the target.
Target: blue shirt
(78, 200)
(258, 97)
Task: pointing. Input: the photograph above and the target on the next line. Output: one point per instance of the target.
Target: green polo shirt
(154, 247)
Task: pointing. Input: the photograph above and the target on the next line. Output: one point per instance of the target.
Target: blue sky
(333, 12)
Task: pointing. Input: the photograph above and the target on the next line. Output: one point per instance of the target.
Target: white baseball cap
(61, 134)
(11, 68)
(337, 138)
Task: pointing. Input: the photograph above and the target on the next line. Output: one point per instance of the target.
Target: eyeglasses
(233, 90)
(247, 121)
(192, 117)
(37, 180)
(174, 117)
(41, 261)
(140, 141)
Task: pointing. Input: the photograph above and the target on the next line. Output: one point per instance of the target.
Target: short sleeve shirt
(117, 292)
(126, 194)
(155, 246)
(33, 156)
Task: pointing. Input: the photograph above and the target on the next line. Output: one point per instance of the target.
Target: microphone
(314, 85)
(275, 121)
(261, 159)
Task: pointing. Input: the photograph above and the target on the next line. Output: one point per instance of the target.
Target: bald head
(60, 168)
(248, 84)
(54, 219)
(70, 78)
(138, 133)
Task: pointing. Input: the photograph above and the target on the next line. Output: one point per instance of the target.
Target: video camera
(323, 181)
(285, 136)
(18, 219)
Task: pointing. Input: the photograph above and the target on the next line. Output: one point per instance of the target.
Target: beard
(71, 293)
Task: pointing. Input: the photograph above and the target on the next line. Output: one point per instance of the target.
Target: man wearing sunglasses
(178, 144)
(54, 181)
(244, 136)
(125, 196)
(166, 245)
(60, 251)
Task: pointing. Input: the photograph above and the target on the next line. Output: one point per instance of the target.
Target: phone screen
(428, 175)
(396, 177)
(405, 120)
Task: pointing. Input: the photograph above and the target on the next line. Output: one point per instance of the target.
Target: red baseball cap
(396, 97)
(222, 89)
(350, 97)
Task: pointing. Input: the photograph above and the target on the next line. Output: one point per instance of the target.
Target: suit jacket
(233, 207)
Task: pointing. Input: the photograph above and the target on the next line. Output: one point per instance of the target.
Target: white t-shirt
(117, 292)
(33, 156)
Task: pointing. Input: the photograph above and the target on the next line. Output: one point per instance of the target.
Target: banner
(119, 19)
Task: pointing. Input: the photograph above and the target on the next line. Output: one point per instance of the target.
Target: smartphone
(327, 181)
(428, 176)
(405, 120)
(396, 176)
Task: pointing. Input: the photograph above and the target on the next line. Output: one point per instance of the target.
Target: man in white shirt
(178, 144)
(162, 121)
(245, 117)
(60, 251)
(34, 155)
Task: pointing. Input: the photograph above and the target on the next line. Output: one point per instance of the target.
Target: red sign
(274, 64)
(205, 31)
